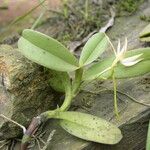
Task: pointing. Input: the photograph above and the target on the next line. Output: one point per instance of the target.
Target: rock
(24, 91)
(134, 117)
(133, 120)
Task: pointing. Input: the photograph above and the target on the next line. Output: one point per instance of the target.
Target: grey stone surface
(133, 116)
(23, 91)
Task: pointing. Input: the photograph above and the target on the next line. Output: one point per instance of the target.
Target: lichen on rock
(24, 91)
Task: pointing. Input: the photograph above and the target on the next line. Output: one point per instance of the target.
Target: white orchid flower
(120, 54)
(120, 57)
(129, 61)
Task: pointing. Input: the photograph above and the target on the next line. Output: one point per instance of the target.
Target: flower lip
(119, 57)
(130, 61)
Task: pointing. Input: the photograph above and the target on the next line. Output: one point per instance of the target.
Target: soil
(10, 10)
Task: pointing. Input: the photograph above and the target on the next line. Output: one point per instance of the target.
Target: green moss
(128, 5)
(145, 18)
(83, 17)
(65, 38)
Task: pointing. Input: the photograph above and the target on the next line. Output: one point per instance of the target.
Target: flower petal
(130, 61)
(124, 48)
(118, 47)
(128, 64)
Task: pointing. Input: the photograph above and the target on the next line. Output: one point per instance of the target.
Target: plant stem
(35, 123)
(71, 91)
(16, 123)
(65, 8)
(77, 82)
(67, 100)
(38, 20)
(86, 10)
(115, 96)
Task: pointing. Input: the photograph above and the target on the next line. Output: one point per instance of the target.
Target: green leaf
(89, 127)
(120, 71)
(59, 80)
(46, 51)
(94, 47)
(145, 34)
(145, 39)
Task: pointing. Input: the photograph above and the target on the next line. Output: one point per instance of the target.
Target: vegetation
(129, 5)
(49, 53)
(145, 34)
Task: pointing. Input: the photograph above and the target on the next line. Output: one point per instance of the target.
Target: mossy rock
(24, 91)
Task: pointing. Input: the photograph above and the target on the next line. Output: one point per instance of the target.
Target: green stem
(77, 81)
(115, 96)
(86, 10)
(71, 91)
(68, 98)
(38, 20)
(65, 8)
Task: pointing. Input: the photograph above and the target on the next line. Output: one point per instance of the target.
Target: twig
(49, 139)
(3, 144)
(12, 145)
(55, 11)
(38, 20)
(7, 148)
(110, 22)
(41, 140)
(16, 123)
(72, 9)
(38, 143)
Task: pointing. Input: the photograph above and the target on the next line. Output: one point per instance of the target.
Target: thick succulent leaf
(145, 39)
(89, 127)
(59, 80)
(139, 69)
(94, 47)
(120, 71)
(46, 51)
(145, 34)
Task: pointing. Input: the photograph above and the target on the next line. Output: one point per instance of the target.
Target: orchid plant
(50, 53)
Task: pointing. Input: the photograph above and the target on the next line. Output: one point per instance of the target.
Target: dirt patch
(15, 8)
(10, 10)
